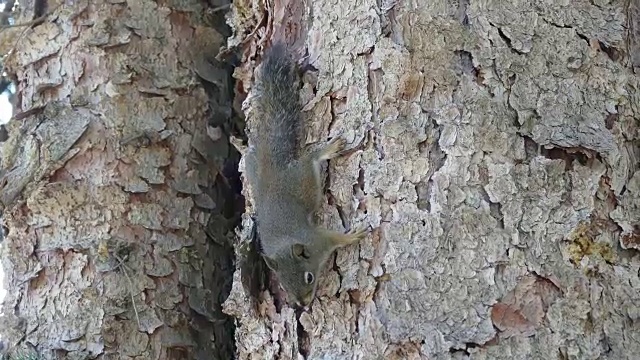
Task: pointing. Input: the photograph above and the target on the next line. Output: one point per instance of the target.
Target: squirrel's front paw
(352, 237)
(343, 239)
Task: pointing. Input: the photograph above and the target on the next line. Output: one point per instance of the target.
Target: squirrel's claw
(333, 148)
(357, 234)
(343, 239)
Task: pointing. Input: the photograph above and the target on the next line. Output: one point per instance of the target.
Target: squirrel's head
(297, 272)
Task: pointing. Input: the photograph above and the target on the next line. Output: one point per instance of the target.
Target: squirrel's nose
(304, 301)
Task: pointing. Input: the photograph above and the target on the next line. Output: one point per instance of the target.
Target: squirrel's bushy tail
(277, 107)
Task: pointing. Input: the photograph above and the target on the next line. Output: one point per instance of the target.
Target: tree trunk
(497, 159)
(119, 215)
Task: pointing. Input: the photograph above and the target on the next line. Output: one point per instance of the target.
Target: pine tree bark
(118, 215)
(498, 162)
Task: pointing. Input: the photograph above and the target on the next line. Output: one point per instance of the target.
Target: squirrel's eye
(308, 277)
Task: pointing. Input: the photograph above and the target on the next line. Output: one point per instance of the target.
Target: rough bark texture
(497, 160)
(119, 215)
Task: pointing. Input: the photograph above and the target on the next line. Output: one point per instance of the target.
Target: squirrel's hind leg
(330, 150)
(305, 175)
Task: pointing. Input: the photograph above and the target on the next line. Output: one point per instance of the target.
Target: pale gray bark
(498, 163)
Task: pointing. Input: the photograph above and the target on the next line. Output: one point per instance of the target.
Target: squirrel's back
(277, 107)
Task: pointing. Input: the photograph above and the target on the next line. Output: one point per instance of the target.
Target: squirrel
(286, 182)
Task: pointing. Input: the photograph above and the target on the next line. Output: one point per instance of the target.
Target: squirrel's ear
(300, 251)
(272, 264)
